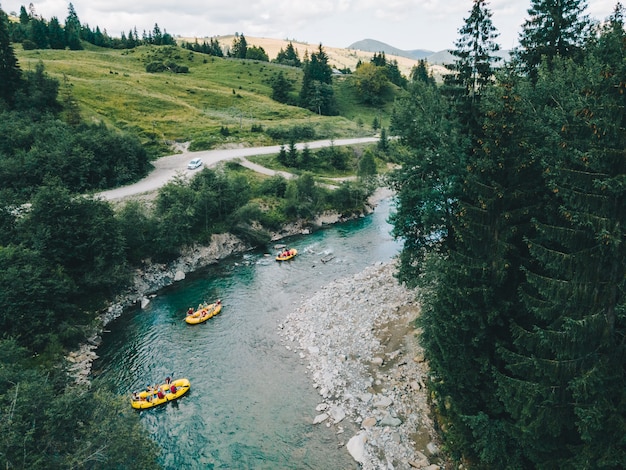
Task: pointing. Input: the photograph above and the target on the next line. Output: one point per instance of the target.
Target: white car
(195, 163)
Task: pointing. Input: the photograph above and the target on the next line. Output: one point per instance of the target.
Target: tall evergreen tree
(316, 92)
(288, 57)
(38, 32)
(240, 47)
(474, 63)
(554, 28)
(10, 73)
(56, 34)
(568, 356)
(281, 86)
(72, 29)
(157, 36)
(24, 17)
(420, 72)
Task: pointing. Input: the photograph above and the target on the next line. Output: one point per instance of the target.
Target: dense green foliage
(553, 29)
(10, 73)
(48, 426)
(289, 56)
(316, 93)
(514, 229)
(212, 47)
(34, 32)
(64, 255)
(36, 144)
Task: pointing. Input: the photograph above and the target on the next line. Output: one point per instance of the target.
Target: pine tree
(474, 63)
(568, 356)
(316, 92)
(240, 47)
(10, 73)
(56, 34)
(72, 29)
(554, 28)
(157, 36)
(24, 17)
(281, 87)
(475, 50)
(292, 154)
(288, 57)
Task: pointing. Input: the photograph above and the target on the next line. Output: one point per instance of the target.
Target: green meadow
(219, 102)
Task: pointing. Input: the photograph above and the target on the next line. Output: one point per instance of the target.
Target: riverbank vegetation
(74, 123)
(511, 204)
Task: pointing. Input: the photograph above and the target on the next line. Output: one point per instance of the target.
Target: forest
(65, 254)
(511, 202)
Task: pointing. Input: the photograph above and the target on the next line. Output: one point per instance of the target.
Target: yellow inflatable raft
(203, 313)
(163, 393)
(286, 255)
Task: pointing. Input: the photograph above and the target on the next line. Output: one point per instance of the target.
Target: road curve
(166, 168)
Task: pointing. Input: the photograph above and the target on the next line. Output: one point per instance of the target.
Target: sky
(405, 24)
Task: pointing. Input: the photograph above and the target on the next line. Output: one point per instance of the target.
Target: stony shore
(358, 336)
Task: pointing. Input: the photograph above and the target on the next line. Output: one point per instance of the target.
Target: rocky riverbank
(152, 277)
(364, 358)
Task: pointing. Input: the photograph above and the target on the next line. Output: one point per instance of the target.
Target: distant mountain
(440, 58)
(371, 45)
(434, 58)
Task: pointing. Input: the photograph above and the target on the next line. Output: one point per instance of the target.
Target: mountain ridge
(442, 57)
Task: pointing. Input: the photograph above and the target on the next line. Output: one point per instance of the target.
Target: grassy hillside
(112, 86)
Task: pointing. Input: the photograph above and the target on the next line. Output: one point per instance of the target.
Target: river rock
(356, 447)
(320, 418)
(377, 361)
(369, 422)
(432, 448)
(337, 413)
(390, 421)
(179, 276)
(383, 402)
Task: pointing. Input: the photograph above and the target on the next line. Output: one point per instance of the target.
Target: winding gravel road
(166, 168)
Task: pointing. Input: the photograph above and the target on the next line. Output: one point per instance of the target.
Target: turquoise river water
(251, 402)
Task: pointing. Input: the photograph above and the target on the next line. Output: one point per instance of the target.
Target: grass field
(113, 87)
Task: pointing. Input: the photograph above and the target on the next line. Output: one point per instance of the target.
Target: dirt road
(166, 168)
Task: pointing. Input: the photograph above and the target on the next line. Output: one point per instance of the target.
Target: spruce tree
(554, 28)
(281, 86)
(420, 72)
(288, 57)
(316, 93)
(566, 383)
(240, 47)
(72, 29)
(56, 34)
(474, 63)
(10, 73)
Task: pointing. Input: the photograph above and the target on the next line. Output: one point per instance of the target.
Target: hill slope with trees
(511, 203)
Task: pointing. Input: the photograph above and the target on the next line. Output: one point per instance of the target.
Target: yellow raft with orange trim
(203, 313)
(163, 394)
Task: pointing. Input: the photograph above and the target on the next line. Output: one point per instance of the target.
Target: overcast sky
(405, 24)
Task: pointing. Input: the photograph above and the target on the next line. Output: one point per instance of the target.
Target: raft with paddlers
(203, 313)
(160, 394)
(286, 254)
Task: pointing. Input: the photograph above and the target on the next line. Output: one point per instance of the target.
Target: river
(251, 403)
